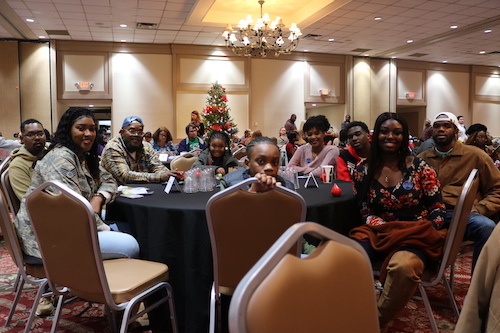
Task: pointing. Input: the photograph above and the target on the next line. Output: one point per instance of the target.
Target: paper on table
(134, 190)
(131, 196)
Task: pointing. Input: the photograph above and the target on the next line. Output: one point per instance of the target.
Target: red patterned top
(416, 197)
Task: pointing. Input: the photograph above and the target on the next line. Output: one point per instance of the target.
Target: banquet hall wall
(164, 83)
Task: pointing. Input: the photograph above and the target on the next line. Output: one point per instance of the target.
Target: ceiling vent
(312, 36)
(361, 50)
(57, 32)
(418, 55)
(151, 26)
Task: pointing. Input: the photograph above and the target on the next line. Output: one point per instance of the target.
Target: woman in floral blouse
(401, 203)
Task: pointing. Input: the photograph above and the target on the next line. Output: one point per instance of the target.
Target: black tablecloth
(172, 229)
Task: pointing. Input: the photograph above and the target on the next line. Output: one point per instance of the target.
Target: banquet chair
(451, 246)
(183, 163)
(240, 152)
(11, 197)
(329, 291)
(65, 228)
(242, 226)
(33, 274)
(4, 165)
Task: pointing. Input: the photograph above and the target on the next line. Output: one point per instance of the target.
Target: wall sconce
(324, 92)
(84, 86)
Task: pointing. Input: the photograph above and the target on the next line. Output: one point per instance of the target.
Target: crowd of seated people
(404, 198)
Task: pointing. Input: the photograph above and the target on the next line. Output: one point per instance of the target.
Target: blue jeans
(478, 230)
(115, 244)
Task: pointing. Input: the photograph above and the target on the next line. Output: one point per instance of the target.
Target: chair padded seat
(128, 278)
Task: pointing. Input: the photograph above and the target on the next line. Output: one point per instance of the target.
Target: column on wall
(10, 110)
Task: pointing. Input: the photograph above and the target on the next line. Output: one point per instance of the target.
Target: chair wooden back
(183, 163)
(329, 291)
(12, 199)
(243, 225)
(65, 228)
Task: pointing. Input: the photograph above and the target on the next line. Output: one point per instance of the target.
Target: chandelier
(264, 38)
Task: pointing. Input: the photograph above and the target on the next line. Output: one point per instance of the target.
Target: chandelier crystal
(264, 38)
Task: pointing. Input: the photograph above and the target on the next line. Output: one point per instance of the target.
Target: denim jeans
(115, 244)
(478, 230)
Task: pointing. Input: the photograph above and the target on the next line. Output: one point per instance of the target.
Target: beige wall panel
(142, 86)
(84, 68)
(448, 91)
(334, 114)
(324, 77)
(411, 81)
(380, 70)
(10, 113)
(35, 82)
(488, 114)
(201, 71)
(362, 91)
(277, 91)
(187, 102)
(487, 86)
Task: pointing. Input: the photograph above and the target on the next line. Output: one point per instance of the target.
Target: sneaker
(45, 306)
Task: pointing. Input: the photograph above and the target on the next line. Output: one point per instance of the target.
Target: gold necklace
(390, 168)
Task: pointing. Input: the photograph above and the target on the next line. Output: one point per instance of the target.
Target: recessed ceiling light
(486, 31)
(30, 20)
(378, 18)
(306, 50)
(123, 40)
(393, 57)
(445, 61)
(42, 37)
(331, 39)
(366, 55)
(454, 27)
(482, 52)
(123, 25)
(91, 105)
(409, 41)
(313, 104)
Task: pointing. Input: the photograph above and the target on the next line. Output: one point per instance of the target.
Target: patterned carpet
(412, 319)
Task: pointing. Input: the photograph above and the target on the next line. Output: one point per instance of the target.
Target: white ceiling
(426, 22)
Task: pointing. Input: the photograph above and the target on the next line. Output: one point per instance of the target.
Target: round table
(171, 228)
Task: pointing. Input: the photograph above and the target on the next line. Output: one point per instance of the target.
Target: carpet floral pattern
(75, 319)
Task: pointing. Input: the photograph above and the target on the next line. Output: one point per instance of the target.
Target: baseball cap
(446, 116)
(129, 120)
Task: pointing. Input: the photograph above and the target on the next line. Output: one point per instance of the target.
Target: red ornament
(336, 190)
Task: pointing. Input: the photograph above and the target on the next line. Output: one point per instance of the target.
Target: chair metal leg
(449, 290)
(20, 286)
(171, 305)
(452, 274)
(16, 281)
(428, 308)
(55, 321)
(212, 310)
(39, 295)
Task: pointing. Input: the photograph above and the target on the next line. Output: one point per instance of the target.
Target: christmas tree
(216, 113)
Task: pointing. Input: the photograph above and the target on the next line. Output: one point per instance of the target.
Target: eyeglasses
(31, 135)
(134, 131)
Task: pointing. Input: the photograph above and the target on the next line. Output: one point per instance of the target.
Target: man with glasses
(129, 160)
(24, 158)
